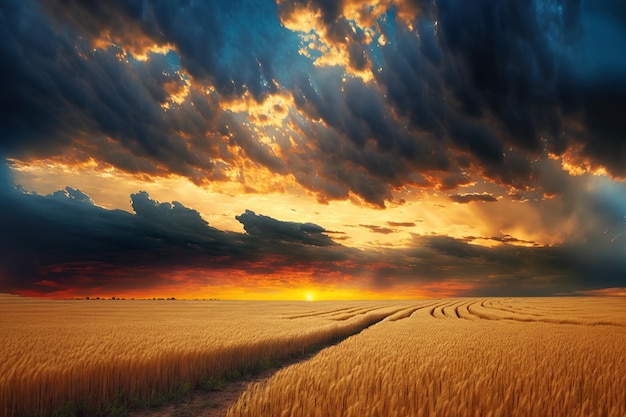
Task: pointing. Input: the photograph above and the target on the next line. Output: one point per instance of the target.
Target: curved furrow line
(327, 313)
(496, 312)
(471, 309)
(525, 304)
(359, 313)
(408, 312)
(545, 312)
(515, 310)
(450, 311)
(431, 311)
(402, 314)
(463, 312)
(531, 311)
(426, 310)
(534, 307)
(320, 313)
(351, 313)
(478, 308)
(487, 310)
(438, 311)
(302, 316)
(511, 314)
(457, 310)
(350, 310)
(548, 307)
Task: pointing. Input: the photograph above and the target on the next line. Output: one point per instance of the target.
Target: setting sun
(309, 296)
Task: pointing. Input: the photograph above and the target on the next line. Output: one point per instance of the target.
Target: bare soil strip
(202, 403)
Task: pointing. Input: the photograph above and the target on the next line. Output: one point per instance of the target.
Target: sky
(312, 149)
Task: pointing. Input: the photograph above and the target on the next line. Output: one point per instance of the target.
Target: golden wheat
(91, 352)
(465, 357)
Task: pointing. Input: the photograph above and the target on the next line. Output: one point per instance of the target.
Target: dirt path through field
(214, 403)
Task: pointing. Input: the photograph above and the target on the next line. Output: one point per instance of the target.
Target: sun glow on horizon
(318, 293)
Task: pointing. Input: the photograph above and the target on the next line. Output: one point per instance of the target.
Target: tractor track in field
(496, 310)
(202, 403)
(215, 403)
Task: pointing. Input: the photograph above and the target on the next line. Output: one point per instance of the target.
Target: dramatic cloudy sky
(343, 149)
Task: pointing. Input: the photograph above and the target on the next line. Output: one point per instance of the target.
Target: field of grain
(80, 356)
(464, 357)
(451, 357)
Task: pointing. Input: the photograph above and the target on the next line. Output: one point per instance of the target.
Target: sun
(309, 296)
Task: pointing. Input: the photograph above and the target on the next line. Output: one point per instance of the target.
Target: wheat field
(464, 357)
(80, 356)
(447, 357)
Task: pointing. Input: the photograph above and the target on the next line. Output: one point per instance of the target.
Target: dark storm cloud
(361, 147)
(506, 80)
(501, 62)
(64, 243)
(529, 63)
(424, 114)
(471, 88)
(514, 270)
(60, 93)
(268, 228)
(65, 239)
(427, 82)
(238, 45)
(472, 197)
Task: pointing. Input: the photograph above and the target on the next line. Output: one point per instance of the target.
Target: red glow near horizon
(239, 285)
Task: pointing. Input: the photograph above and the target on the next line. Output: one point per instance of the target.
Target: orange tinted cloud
(606, 292)
(272, 110)
(325, 48)
(134, 43)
